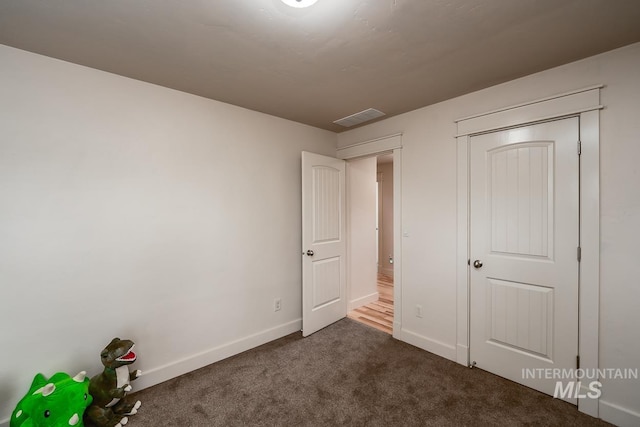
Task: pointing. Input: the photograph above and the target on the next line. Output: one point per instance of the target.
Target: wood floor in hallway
(378, 314)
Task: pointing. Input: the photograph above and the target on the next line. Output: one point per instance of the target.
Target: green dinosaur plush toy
(58, 401)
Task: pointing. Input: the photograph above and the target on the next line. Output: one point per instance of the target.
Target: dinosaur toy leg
(104, 417)
(126, 407)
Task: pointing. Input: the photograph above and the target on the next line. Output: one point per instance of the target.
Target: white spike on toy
(74, 420)
(80, 377)
(46, 390)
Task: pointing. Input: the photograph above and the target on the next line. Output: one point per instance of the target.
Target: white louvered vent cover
(361, 117)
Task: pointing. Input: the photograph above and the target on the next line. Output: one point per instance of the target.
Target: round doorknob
(477, 263)
(309, 252)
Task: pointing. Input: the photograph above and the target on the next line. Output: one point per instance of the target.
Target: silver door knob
(477, 263)
(309, 252)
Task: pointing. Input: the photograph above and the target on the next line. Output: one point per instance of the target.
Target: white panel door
(524, 240)
(324, 298)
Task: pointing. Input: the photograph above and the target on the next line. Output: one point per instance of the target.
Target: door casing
(585, 104)
(391, 143)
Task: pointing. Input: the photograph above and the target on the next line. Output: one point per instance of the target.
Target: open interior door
(324, 298)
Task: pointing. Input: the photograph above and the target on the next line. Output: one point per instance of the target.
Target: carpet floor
(347, 374)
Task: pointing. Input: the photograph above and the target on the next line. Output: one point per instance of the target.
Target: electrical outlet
(277, 304)
(418, 310)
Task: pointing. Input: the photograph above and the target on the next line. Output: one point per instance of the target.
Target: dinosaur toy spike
(46, 390)
(80, 376)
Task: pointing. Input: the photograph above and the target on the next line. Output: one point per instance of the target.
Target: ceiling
(330, 60)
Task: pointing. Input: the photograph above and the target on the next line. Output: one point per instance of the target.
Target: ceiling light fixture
(299, 3)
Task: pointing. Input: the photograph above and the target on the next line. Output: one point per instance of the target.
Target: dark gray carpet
(346, 374)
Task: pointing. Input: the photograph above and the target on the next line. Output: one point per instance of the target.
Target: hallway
(378, 314)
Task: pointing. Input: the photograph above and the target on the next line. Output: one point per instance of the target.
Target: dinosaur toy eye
(47, 413)
(85, 396)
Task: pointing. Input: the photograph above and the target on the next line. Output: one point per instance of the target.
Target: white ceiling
(322, 63)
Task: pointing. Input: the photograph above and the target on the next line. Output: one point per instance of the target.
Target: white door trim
(566, 104)
(390, 143)
(370, 147)
(585, 104)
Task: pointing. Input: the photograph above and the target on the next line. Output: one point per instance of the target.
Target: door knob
(477, 263)
(309, 252)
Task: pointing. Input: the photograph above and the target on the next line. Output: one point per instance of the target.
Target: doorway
(376, 308)
(326, 285)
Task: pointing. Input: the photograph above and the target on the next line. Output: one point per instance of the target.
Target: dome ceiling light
(299, 3)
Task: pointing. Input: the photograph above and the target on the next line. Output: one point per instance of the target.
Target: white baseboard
(179, 367)
(433, 346)
(617, 415)
(359, 302)
(462, 354)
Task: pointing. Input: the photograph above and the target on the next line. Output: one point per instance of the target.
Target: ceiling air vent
(361, 117)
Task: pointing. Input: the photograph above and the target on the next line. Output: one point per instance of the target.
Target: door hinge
(578, 362)
(579, 148)
(579, 254)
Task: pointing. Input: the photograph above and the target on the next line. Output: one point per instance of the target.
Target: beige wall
(429, 209)
(361, 190)
(141, 212)
(385, 205)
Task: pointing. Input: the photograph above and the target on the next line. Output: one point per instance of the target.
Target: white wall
(137, 211)
(361, 189)
(429, 210)
(385, 174)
